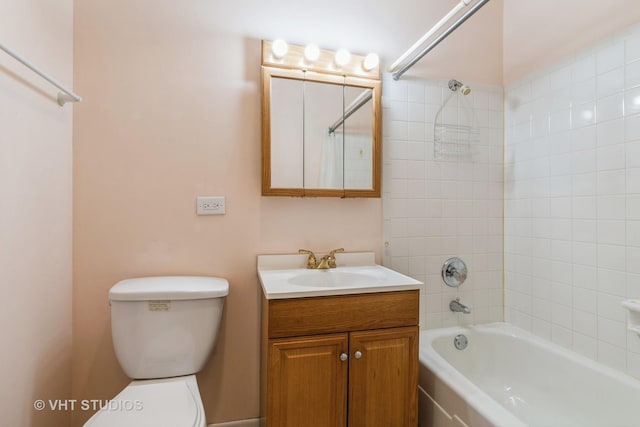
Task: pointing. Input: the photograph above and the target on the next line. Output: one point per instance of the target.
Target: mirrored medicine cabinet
(321, 126)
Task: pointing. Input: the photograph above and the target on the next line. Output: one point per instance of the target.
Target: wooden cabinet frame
(377, 387)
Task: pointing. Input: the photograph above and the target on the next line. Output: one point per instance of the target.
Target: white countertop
(286, 276)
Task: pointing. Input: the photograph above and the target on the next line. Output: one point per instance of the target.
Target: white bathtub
(507, 377)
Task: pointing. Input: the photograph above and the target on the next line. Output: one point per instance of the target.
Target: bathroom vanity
(342, 350)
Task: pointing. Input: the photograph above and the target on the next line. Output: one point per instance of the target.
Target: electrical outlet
(210, 205)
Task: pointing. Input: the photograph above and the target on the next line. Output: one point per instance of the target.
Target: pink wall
(171, 111)
(35, 213)
(540, 33)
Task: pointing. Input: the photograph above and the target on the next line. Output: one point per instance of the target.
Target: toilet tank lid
(169, 288)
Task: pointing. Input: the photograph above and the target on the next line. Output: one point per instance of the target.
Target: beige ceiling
(503, 41)
(540, 32)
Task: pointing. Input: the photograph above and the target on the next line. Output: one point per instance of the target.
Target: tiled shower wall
(437, 208)
(572, 201)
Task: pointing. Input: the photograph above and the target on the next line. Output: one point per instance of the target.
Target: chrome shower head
(456, 86)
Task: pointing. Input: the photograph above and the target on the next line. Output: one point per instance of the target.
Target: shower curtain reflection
(331, 162)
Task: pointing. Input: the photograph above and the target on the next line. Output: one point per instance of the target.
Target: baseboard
(254, 422)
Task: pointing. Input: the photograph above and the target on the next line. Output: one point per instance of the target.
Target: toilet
(163, 330)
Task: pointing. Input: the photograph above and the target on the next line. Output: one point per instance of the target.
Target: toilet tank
(165, 326)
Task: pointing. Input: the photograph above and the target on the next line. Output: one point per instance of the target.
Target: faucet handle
(312, 262)
(331, 258)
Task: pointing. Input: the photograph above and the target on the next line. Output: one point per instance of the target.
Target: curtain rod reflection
(361, 100)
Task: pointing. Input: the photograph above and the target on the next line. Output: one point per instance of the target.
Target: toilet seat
(166, 402)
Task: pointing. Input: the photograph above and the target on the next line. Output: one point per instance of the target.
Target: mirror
(321, 134)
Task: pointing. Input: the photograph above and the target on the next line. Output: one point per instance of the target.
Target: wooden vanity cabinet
(349, 360)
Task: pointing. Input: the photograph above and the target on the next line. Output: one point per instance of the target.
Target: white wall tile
(633, 261)
(437, 208)
(416, 131)
(597, 168)
(415, 93)
(584, 138)
(584, 67)
(585, 322)
(632, 180)
(612, 232)
(610, 57)
(609, 307)
(585, 345)
(560, 120)
(396, 129)
(632, 48)
(396, 90)
(633, 362)
(611, 355)
(612, 182)
(415, 112)
(633, 233)
(611, 157)
(585, 184)
(610, 82)
(612, 257)
(584, 255)
(570, 194)
(586, 300)
(612, 332)
(633, 207)
(632, 101)
(632, 75)
(611, 207)
(610, 107)
(632, 128)
(612, 281)
(611, 132)
(584, 161)
(584, 90)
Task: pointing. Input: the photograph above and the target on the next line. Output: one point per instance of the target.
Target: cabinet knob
(344, 357)
(357, 354)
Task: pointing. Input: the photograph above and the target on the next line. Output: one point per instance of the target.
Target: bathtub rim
(473, 395)
(466, 390)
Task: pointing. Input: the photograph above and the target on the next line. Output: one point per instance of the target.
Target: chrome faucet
(458, 307)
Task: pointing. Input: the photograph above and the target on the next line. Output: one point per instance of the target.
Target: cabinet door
(383, 378)
(307, 384)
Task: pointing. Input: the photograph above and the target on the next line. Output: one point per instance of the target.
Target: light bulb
(312, 52)
(279, 48)
(370, 62)
(342, 57)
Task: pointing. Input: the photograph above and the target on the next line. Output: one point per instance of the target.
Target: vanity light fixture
(279, 48)
(370, 62)
(312, 52)
(342, 58)
(311, 57)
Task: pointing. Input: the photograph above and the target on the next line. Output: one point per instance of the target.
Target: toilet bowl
(153, 403)
(163, 330)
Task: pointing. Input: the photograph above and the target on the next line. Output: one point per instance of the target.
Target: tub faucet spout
(458, 307)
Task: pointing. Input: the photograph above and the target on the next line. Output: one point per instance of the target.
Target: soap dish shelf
(633, 321)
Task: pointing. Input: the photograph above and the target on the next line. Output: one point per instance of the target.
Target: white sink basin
(365, 276)
(333, 277)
